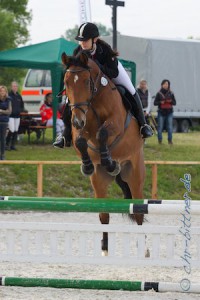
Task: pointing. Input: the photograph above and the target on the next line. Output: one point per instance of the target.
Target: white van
(36, 85)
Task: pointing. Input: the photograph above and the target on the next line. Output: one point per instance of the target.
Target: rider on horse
(106, 58)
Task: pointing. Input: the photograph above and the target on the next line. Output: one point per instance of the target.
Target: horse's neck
(110, 102)
(107, 108)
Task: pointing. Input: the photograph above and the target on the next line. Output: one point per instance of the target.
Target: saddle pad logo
(104, 81)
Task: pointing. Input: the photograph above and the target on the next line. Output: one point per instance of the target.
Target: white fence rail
(81, 243)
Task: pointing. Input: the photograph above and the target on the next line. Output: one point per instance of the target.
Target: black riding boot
(8, 139)
(137, 111)
(13, 141)
(65, 139)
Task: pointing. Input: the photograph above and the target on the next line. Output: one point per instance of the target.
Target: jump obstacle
(97, 205)
(81, 243)
(100, 284)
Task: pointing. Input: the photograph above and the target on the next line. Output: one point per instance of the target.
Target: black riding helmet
(87, 31)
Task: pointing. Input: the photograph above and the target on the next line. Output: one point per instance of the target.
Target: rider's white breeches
(123, 79)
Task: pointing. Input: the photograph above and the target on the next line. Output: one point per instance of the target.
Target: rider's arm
(110, 67)
(7, 111)
(108, 62)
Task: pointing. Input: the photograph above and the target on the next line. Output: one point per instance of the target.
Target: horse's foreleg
(87, 167)
(112, 167)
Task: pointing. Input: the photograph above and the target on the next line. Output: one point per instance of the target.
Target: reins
(93, 92)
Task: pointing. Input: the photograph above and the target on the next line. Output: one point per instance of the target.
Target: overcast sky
(144, 18)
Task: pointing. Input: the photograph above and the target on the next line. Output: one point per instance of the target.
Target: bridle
(94, 88)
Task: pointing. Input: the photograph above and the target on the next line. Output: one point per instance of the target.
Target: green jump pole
(64, 199)
(93, 200)
(95, 206)
(72, 283)
(185, 286)
(69, 206)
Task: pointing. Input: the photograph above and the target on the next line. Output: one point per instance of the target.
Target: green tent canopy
(46, 56)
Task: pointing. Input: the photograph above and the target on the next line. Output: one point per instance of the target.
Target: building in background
(175, 59)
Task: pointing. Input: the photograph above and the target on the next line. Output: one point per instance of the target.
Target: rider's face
(86, 45)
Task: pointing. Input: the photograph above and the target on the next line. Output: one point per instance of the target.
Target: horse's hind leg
(112, 167)
(104, 219)
(100, 181)
(138, 185)
(124, 187)
(134, 174)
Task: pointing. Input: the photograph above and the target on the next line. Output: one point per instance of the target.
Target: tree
(14, 14)
(191, 37)
(71, 33)
(13, 32)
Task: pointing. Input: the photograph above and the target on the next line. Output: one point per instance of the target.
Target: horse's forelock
(78, 62)
(75, 61)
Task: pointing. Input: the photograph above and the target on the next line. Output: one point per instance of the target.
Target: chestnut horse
(105, 135)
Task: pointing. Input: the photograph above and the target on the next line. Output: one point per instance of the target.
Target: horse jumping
(105, 135)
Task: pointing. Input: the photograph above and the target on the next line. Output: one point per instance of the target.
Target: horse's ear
(83, 58)
(65, 59)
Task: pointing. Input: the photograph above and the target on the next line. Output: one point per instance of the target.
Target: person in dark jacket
(165, 100)
(106, 58)
(5, 111)
(145, 97)
(14, 120)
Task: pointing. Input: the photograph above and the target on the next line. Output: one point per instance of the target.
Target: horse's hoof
(104, 253)
(116, 170)
(87, 170)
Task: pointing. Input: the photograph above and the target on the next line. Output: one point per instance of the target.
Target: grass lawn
(67, 181)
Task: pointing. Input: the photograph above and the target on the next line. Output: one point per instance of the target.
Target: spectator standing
(5, 111)
(165, 100)
(14, 120)
(46, 112)
(145, 98)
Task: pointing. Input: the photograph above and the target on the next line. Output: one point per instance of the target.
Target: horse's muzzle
(78, 124)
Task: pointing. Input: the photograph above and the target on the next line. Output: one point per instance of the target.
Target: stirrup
(150, 131)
